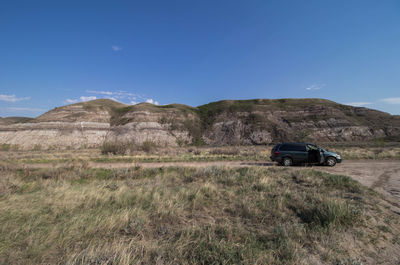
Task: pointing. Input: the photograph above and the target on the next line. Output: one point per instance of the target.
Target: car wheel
(330, 161)
(287, 161)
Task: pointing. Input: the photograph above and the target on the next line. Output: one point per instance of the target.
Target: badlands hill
(227, 122)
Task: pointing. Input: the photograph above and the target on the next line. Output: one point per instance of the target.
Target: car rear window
(276, 147)
(285, 147)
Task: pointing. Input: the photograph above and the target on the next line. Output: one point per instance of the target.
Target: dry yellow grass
(212, 215)
(188, 154)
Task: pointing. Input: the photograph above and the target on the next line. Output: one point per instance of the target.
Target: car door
(300, 154)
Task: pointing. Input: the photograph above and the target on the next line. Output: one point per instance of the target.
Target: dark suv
(288, 154)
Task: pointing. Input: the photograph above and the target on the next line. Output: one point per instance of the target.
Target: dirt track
(381, 175)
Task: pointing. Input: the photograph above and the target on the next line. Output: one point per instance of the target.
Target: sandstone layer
(229, 122)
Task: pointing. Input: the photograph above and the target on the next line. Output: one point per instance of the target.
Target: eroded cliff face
(314, 120)
(166, 125)
(247, 122)
(231, 131)
(73, 126)
(90, 124)
(55, 135)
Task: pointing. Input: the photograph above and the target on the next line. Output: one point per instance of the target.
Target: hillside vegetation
(99, 110)
(12, 120)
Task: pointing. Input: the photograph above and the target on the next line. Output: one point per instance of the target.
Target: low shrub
(225, 151)
(148, 146)
(123, 148)
(5, 147)
(37, 147)
(115, 148)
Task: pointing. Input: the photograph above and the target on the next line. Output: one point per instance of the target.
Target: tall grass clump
(328, 213)
(343, 182)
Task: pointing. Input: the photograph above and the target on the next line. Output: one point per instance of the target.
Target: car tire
(331, 161)
(287, 161)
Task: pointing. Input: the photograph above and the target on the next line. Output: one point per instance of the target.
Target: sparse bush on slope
(123, 148)
(115, 148)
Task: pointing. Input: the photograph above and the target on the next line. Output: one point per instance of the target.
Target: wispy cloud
(118, 93)
(83, 98)
(358, 104)
(116, 48)
(395, 100)
(115, 99)
(151, 101)
(315, 87)
(101, 92)
(12, 98)
(70, 101)
(123, 96)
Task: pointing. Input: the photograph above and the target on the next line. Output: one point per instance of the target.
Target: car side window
(299, 148)
(293, 147)
(311, 147)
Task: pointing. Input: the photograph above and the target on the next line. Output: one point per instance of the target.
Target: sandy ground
(380, 175)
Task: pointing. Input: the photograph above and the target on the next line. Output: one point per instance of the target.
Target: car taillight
(277, 153)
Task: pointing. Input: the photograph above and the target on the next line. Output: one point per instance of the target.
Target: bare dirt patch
(382, 176)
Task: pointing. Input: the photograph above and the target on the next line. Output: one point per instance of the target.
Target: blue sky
(54, 53)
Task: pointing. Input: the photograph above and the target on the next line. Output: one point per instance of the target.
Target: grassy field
(78, 215)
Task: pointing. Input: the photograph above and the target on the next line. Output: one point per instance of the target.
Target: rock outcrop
(315, 120)
(240, 122)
